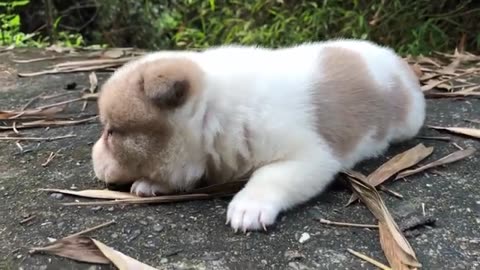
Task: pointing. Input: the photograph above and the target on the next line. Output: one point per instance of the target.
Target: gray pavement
(192, 235)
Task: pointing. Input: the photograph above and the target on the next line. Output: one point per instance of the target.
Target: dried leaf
(93, 82)
(94, 193)
(78, 248)
(120, 260)
(390, 249)
(435, 83)
(398, 163)
(401, 249)
(472, 132)
(453, 157)
(85, 249)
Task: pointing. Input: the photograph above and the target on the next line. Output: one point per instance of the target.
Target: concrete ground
(192, 235)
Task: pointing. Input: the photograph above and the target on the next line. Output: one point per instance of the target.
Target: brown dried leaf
(398, 163)
(472, 132)
(453, 157)
(78, 248)
(94, 193)
(93, 82)
(85, 249)
(120, 260)
(399, 251)
(390, 249)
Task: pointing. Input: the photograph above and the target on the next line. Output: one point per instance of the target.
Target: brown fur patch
(349, 103)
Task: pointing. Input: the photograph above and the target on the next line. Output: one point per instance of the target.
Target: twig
(24, 107)
(91, 229)
(439, 138)
(368, 259)
(60, 103)
(50, 157)
(159, 199)
(347, 224)
(391, 192)
(457, 146)
(36, 138)
(23, 221)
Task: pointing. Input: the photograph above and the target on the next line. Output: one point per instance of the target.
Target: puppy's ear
(165, 92)
(169, 83)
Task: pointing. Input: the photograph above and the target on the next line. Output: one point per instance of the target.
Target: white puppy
(289, 119)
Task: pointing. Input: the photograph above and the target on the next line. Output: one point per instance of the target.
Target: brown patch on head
(136, 105)
(349, 102)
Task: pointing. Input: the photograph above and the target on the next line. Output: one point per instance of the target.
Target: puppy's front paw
(145, 188)
(249, 212)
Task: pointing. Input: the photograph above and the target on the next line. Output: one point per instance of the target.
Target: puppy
(289, 119)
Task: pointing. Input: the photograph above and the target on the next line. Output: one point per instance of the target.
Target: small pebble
(157, 227)
(134, 235)
(56, 196)
(143, 222)
(304, 238)
(96, 208)
(163, 260)
(114, 235)
(110, 209)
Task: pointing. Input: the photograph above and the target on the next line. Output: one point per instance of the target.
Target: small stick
(440, 138)
(24, 107)
(17, 143)
(160, 199)
(368, 259)
(91, 229)
(476, 121)
(423, 209)
(50, 158)
(60, 103)
(37, 249)
(457, 146)
(347, 224)
(37, 138)
(23, 221)
(14, 127)
(391, 192)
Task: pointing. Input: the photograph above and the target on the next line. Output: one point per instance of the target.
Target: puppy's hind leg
(279, 186)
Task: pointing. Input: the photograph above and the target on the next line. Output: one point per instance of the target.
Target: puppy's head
(142, 138)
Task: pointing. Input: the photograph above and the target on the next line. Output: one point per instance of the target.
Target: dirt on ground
(193, 235)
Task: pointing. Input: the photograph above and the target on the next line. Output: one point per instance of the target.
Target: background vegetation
(411, 26)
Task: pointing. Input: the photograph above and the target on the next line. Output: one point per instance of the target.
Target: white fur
(267, 92)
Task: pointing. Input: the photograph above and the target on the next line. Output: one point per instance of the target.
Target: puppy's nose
(118, 187)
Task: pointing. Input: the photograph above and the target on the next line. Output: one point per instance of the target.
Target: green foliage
(10, 33)
(410, 26)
